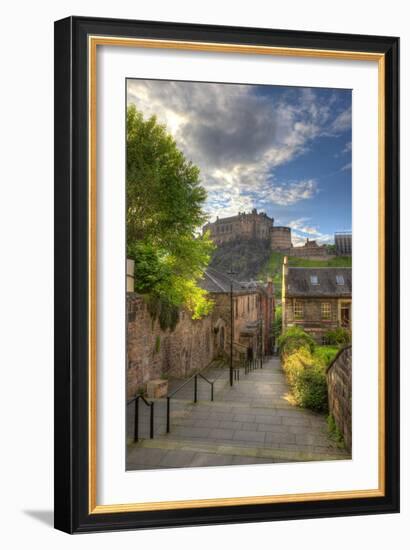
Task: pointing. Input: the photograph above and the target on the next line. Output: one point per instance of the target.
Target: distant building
(310, 249)
(316, 299)
(281, 238)
(343, 243)
(252, 225)
(253, 307)
(258, 225)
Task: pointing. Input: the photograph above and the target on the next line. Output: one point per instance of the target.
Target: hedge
(307, 379)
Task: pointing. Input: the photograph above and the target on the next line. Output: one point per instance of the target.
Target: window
(340, 280)
(326, 311)
(298, 310)
(314, 280)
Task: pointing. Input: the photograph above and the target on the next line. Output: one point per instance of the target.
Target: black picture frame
(71, 416)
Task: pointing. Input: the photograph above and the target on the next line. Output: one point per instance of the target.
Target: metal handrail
(252, 364)
(149, 404)
(195, 377)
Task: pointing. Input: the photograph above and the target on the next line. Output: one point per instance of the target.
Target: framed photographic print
(226, 274)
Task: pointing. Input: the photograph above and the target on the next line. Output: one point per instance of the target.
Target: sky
(283, 150)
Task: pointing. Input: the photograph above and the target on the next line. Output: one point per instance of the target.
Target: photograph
(238, 274)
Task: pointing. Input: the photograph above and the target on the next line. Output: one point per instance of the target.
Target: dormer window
(314, 280)
(340, 280)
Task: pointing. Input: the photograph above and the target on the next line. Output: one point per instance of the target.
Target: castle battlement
(256, 225)
(246, 225)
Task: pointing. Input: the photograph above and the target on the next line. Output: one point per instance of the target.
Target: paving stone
(191, 431)
(210, 459)
(269, 427)
(312, 439)
(177, 459)
(221, 433)
(243, 460)
(296, 421)
(249, 426)
(244, 417)
(270, 420)
(248, 435)
(142, 455)
(230, 425)
(274, 438)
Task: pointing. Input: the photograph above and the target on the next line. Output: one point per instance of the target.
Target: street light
(230, 273)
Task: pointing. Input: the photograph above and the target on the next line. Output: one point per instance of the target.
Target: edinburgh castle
(259, 226)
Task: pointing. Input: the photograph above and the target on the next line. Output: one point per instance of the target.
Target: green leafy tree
(164, 212)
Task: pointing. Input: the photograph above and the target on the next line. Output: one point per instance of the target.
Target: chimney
(285, 266)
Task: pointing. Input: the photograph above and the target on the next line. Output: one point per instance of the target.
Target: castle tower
(281, 238)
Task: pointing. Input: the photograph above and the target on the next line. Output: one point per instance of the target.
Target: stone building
(309, 250)
(252, 225)
(316, 299)
(343, 243)
(281, 238)
(259, 226)
(253, 312)
(194, 344)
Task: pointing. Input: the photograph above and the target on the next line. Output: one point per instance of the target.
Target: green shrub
(338, 337)
(312, 388)
(325, 354)
(294, 339)
(307, 379)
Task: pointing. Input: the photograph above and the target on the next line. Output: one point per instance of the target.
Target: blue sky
(283, 150)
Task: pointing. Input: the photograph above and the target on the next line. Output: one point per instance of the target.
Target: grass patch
(325, 354)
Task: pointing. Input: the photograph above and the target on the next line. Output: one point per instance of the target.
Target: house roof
(215, 281)
(331, 282)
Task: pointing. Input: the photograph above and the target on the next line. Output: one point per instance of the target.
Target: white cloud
(348, 147)
(342, 122)
(347, 166)
(238, 138)
(301, 231)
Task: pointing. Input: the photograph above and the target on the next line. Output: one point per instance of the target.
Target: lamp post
(230, 273)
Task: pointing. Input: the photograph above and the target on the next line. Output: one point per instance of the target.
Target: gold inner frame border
(93, 43)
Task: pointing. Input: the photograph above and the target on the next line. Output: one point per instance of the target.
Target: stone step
(274, 455)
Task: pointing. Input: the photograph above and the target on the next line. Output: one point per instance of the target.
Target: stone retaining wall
(339, 384)
(153, 352)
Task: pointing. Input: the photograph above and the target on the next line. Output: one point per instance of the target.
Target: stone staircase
(249, 423)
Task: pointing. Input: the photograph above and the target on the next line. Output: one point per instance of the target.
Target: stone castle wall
(339, 384)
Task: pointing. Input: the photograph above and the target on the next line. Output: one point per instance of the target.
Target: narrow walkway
(251, 422)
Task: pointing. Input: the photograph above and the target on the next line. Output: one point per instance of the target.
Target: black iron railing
(195, 378)
(255, 363)
(149, 404)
